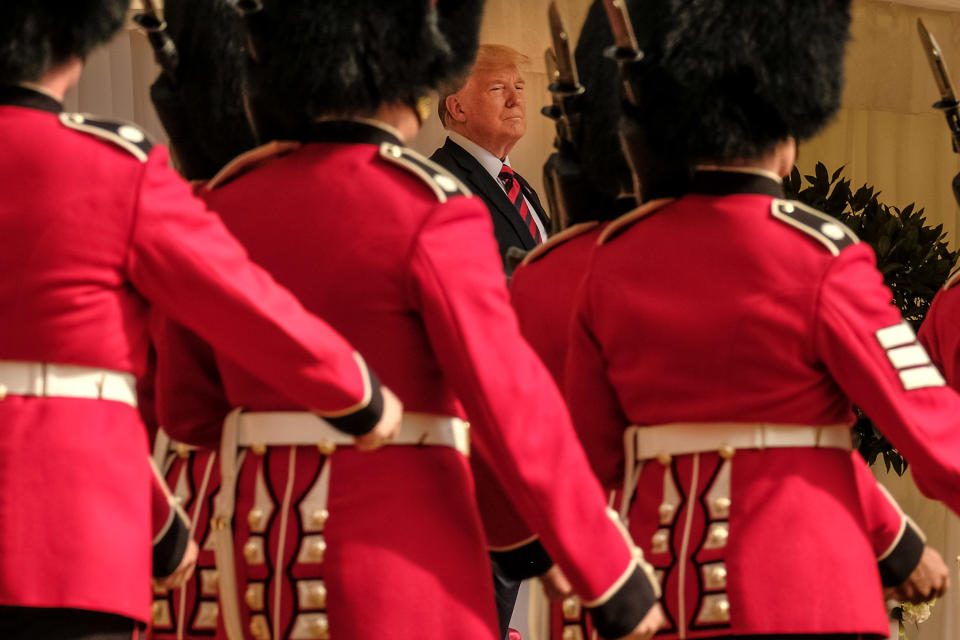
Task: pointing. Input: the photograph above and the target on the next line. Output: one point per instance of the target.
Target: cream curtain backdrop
(886, 134)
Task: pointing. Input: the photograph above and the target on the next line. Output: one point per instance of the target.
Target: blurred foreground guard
(733, 329)
(198, 96)
(97, 231)
(317, 540)
(588, 183)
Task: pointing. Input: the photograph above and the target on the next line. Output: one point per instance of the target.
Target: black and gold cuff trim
(363, 420)
(622, 612)
(897, 566)
(524, 562)
(169, 549)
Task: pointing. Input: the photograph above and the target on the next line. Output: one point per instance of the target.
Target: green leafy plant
(912, 256)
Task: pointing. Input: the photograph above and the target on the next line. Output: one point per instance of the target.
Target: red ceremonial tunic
(382, 243)
(940, 331)
(730, 305)
(95, 228)
(543, 292)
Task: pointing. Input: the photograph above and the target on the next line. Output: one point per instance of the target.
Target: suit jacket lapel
(484, 183)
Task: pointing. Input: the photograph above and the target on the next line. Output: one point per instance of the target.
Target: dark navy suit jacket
(508, 226)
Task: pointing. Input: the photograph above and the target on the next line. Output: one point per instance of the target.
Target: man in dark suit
(485, 117)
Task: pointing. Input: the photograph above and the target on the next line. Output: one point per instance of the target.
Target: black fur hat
(201, 107)
(36, 35)
(348, 57)
(725, 79)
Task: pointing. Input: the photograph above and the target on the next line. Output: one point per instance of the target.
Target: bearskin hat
(37, 35)
(201, 106)
(725, 79)
(347, 57)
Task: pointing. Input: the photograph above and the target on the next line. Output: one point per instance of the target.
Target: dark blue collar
(18, 96)
(350, 132)
(718, 182)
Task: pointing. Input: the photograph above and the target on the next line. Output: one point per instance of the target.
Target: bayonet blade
(150, 9)
(567, 78)
(552, 111)
(164, 48)
(550, 59)
(937, 64)
(622, 28)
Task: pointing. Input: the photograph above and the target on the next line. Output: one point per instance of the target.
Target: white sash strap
(49, 380)
(662, 442)
(161, 446)
(222, 529)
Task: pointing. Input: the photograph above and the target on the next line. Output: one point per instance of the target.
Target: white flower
(916, 613)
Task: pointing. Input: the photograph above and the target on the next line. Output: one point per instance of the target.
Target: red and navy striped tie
(512, 185)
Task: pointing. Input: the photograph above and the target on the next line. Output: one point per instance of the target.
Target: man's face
(494, 108)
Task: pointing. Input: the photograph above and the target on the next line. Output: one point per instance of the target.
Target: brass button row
(661, 541)
(571, 608)
(572, 633)
(254, 595)
(257, 520)
(253, 550)
(260, 627)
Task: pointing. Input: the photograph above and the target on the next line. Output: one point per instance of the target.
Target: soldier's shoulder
(952, 280)
(825, 229)
(565, 237)
(124, 135)
(627, 220)
(443, 184)
(250, 160)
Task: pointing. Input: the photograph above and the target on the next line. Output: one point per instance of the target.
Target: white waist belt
(66, 381)
(303, 428)
(684, 438)
(667, 440)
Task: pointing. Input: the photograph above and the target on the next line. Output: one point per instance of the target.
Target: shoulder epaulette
(128, 137)
(443, 183)
(555, 241)
(248, 161)
(625, 221)
(952, 280)
(829, 231)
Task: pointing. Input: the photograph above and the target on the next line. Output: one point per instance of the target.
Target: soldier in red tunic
(719, 339)
(198, 97)
(544, 286)
(96, 231)
(327, 542)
